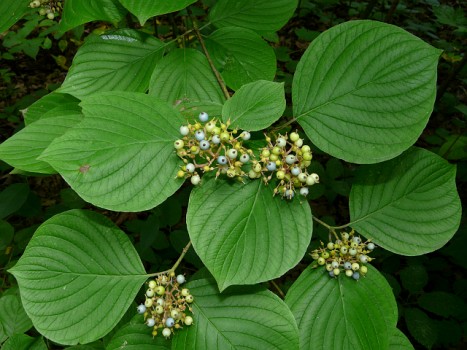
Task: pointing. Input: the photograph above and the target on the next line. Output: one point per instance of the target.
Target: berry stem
(329, 227)
(278, 289)
(174, 267)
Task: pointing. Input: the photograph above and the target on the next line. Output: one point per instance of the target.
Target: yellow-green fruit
(336, 272)
(363, 270)
(280, 174)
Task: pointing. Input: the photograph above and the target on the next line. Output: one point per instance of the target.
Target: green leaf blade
(147, 9)
(260, 15)
(235, 245)
(408, 205)
(334, 313)
(121, 157)
(64, 255)
(13, 318)
(185, 75)
(255, 106)
(241, 56)
(46, 104)
(11, 11)
(119, 61)
(363, 91)
(254, 318)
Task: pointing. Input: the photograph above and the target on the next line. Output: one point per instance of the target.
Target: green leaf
(255, 106)
(341, 313)
(185, 74)
(147, 9)
(13, 318)
(12, 198)
(136, 335)
(442, 303)
(260, 15)
(24, 342)
(364, 90)
(11, 11)
(76, 12)
(22, 149)
(454, 148)
(253, 318)
(119, 61)
(241, 56)
(408, 205)
(398, 341)
(414, 278)
(121, 157)
(77, 276)
(48, 103)
(421, 327)
(243, 234)
(6, 234)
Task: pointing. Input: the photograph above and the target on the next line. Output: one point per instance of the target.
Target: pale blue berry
(290, 159)
(281, 142)
(184, 130)
(190, 167)
(222, 160)
(331, 273)
(356, 275)
(347, 265)
(356, 239)
(180, 279)
(289, 194)
(199, 135)
(370, 246)
(204, 145)
(232, 153)
(363, 258)
(335, 264)
(150, 322)
(170, 322)
(141, 309)
(216, 139)
(271, 166)
(295, 171)
(244, 158)
(304, 191)
(203, 117)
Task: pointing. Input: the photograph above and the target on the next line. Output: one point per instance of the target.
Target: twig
(174, 267)
(281, 293)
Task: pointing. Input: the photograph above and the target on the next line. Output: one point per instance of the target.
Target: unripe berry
(204, 145)
(302, 177)
(166, 332)
(160, 302)
(185, 292)
(276, 150)
(325, 255)
(294, 136)
(245, 135)
(321, 261)
(306, 149)
(188, 320)
(299, 143)
(152, 284)
(312, 179)
(159, 309)
(175, 313)
(184, 130)
(149, 293)
(271, 166)
(355, 266)
(189, 298)
(330, 246)
(353, 251)
(50, 16)
(232, 153)
(224, 136)
(141, 309)
(370, 246)
(150, 322)
(345, 236)
(244, 158)
(363, 259)
(180, 279)
(280, 142)
(363, 270)
(329, 267)
(290, 159)
(344, 250)
(304, 191)
(159, 289)
(148, 302)
(179, 144)
(334, 264)
(190, 167)
(336, 272)
(195, 180)
(280, 174)
(349, 273)
(306, 155)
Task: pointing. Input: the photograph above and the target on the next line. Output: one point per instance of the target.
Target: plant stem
(278, 289)
(174, 267)
(213, 68)
(329, 227)
(283, 125)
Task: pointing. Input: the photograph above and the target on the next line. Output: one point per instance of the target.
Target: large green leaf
(185, 75)
(147, 9)
(255, 106)
(253, 318)
(398, 341)
(260, 15)
(341, 313)
(48, 103)
(121, 157)
(11, 11)
(408, 205)
(13, 318)
(22, 149)
(243, 234)
(24, 342)
(122, 60)
(77, 276)
(241, 56)
(421, 327)
(136, 335)
(364, 90)
(76, 12)
(12, 198)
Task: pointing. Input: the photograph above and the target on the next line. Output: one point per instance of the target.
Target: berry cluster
(209, 146)
(348, 254)
(49, 8)
(286, 159)
(166, 304)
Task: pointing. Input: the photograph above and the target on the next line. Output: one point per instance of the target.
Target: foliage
(361, 95)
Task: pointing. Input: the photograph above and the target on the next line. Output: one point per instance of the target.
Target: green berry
(179, 144)
(329, 267)
(330, 246)
(344, 250)
(149, 293)
(294, 136)
(160, 290)
(185, 292)
(152, 284)
(363, 270)
(280, 142)
(321, 261)
(325, 255)
(166, 332)
(336, 272)
(280, 174)
(189, 298)
(232, 153)
(148, 302)
(188, 320)
(349, 273)
(312, 179)
(355, 266)
(159, 309)
(195, 180)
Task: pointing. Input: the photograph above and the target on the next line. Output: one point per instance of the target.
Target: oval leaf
(76, 12)
(421, 327)
(185, 74)
(364, 90)
(408, 205)
(147, 9)
(13, 318)
(398, 341)
(121, 157)
(77, 276)
(253, 319)
(24, 342)
(48, 103)
(119, 61)
(243, 234)
(341, 313)
(241, 56)
(255, 106)
(11, 11)
(259, 15)
(22, 149)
